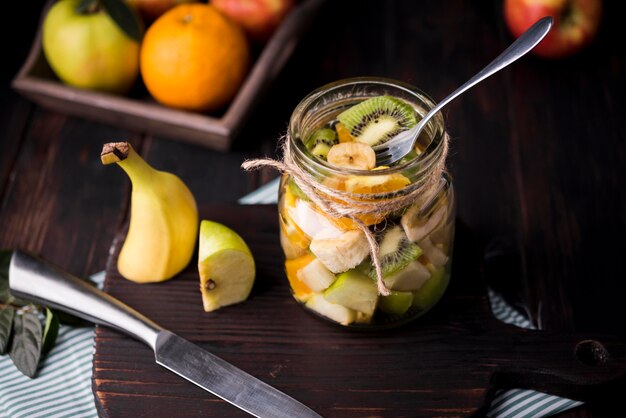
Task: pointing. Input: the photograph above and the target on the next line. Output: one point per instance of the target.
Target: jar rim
(424, 159)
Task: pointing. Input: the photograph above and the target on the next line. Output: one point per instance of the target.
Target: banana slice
(342, 253)
(352, 155)
(337, 313)
(416, 227)
(293, 241)
(312, 222)
(316, 276)
(410, 278)
(434, 254)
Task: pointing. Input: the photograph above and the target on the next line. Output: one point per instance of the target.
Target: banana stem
(125, 156)
(114, 152)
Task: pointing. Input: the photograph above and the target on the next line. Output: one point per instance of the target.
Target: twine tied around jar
(340, 204)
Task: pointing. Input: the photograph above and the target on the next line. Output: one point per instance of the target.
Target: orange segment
(347, 223)
(292, 239)
(290, 198)
(376, 184)
(293, 233)
(343, 133)
(367, 219)
(335, 183)
(343, 223)
(300, 290)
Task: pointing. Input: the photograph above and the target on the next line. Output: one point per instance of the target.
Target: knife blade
(31, 277)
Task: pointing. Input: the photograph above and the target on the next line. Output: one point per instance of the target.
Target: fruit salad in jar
(328, 258)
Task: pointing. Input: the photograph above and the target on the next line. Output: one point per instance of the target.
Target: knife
(32, 278)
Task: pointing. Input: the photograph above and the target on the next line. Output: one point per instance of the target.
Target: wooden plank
(13, 123)
(62, 203)
(566, 119)
(212, 176)
(14, 110)
(409, 371)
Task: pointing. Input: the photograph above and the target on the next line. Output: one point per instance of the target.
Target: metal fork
(400, 145)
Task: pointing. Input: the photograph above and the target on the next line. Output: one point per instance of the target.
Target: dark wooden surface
(410, 371)
(538, 154)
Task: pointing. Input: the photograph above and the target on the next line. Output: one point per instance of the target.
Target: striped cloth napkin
(522, 403)
(63, 386)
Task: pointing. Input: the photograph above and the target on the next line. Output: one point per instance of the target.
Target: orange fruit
(194, 58)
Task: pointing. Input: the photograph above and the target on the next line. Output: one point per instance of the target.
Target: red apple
(259, 18)
(576, 23)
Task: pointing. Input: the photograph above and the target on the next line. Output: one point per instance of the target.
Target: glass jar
(329, 271)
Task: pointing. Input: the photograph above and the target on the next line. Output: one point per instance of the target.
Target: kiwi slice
(375, 120)
(395, 252)
(320, 142)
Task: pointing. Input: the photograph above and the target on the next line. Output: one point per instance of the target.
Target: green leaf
(26, 343)
(6, 325)
(125, 18)
(50, 331)
(5, 260)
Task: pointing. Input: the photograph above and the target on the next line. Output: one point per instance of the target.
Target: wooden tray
(446, 363)
(140, 113)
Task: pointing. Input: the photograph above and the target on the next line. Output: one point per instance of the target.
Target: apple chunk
(225, 265)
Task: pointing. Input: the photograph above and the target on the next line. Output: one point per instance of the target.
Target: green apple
(353, 290)
(432, 290)
(225, 264)
(397, 303)
(87, 49)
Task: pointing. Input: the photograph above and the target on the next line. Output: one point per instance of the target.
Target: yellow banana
(163, 219)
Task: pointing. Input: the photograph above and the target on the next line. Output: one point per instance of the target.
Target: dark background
(537, 154)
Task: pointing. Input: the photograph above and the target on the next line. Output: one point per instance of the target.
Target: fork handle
(527, 41)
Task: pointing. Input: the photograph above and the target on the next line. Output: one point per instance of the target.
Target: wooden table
(538, 154)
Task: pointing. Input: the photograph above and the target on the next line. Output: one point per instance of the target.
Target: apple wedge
(226, 266)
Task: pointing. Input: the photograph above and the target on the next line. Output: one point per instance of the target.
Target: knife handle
(32, 278)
